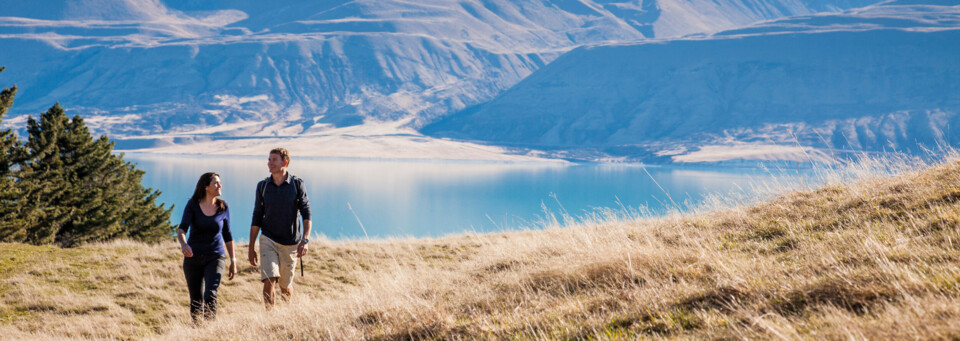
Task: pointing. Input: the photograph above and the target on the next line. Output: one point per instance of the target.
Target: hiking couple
(279, 199)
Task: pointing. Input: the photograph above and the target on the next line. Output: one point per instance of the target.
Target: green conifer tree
(9, 194)
(75, 190)
(8, 141)
(43, 181)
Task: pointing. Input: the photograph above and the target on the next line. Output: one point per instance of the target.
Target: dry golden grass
(877, 259)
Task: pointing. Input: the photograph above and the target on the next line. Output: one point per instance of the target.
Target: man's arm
(302, 249)
(251, 250)
(256, 221)
(303, 204)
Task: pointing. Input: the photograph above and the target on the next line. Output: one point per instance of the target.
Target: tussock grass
(865, 255)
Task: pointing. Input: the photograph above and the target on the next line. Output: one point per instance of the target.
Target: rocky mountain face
(881, 78)
(244, 68)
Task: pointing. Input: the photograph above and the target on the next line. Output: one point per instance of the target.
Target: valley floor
(388, 140)
(877, 259)
(402, 147)
(392, 140)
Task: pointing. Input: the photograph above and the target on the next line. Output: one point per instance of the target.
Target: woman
(204, 256)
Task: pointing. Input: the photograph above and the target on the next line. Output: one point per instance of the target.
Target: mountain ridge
(145, 67)
(828, 81)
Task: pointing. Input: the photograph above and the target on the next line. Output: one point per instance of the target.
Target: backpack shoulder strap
(262, 189)
(297, 182)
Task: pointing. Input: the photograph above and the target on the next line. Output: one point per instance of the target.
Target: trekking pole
(301, 266)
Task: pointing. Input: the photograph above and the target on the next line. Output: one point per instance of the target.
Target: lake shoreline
(439, 197)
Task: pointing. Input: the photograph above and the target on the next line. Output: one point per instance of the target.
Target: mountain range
(644, 79)
(881, 78)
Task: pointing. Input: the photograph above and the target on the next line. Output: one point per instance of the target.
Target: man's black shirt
(275, 211)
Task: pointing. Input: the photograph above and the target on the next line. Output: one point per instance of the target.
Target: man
(279, 198)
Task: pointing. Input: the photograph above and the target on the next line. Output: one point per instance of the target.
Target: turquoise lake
(380, 199)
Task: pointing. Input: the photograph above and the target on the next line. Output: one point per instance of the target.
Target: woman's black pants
(203, 273)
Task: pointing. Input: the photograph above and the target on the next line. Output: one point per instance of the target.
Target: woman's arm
(185, 222)
(184, 247)
(228, 243)
(233, 260)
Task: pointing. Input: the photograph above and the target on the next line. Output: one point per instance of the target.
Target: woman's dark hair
(201, 190)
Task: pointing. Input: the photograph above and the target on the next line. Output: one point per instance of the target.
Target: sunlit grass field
(862, 256)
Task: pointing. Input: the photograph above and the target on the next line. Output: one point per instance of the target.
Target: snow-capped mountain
(884, 77)
(243, 68)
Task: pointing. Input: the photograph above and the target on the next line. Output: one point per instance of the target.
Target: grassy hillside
(875, 259)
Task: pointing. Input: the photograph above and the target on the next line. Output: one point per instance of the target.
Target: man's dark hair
(284, 154)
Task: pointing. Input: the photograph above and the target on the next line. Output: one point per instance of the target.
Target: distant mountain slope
(142, 67)
(885, 77)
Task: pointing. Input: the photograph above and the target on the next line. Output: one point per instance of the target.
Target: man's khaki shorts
(277, 260)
